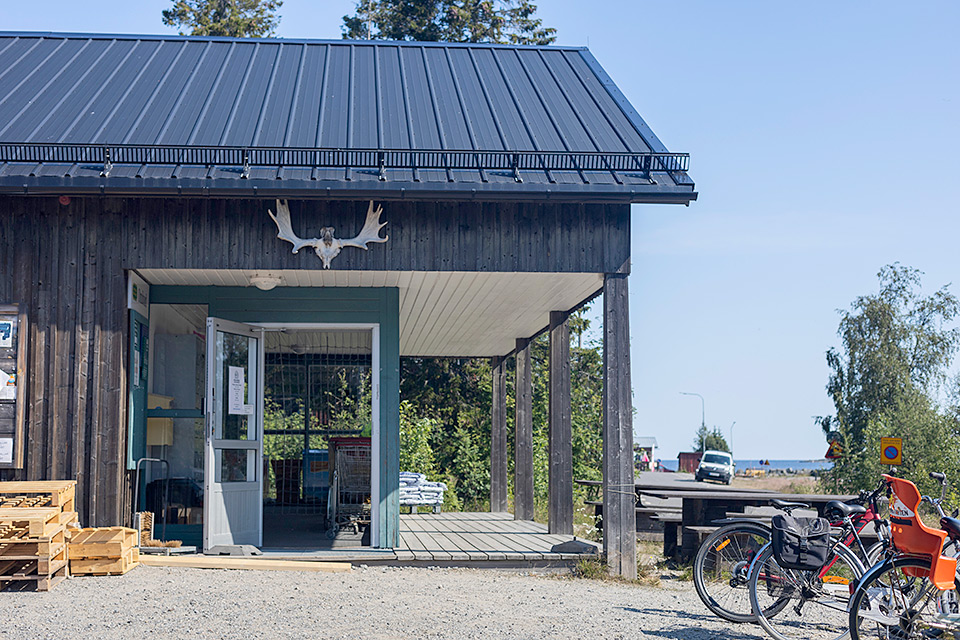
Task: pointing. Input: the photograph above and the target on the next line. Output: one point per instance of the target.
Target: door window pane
(235, 465)
(236, 385)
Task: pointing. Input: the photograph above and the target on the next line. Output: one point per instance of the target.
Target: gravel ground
(372, 602)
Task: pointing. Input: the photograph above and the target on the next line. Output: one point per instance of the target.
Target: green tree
(710, 439)
(897, 349)
(499, 21)
(234, 18)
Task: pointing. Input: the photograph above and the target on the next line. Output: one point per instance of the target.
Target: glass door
(234, 442)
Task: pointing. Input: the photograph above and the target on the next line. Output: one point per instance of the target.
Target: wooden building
(153, 191)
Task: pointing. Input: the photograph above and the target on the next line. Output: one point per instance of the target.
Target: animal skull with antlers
(326, 246)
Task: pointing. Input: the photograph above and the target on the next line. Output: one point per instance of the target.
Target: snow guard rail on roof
(244, 158)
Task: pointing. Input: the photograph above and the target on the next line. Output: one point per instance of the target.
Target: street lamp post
(731, 437)
(703, 413)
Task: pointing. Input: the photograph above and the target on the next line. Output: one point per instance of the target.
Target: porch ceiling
(441, 313)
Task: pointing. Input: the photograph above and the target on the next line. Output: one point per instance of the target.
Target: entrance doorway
(320, 406)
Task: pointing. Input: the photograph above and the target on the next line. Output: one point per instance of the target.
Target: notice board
(13, 359)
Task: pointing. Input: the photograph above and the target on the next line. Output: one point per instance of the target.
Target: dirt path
(377, 603)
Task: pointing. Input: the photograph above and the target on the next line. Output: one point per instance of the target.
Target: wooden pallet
(33, 567)
(38, 521)
(103, 551)
(46, 493)
(26, 546)
(34, 583)
(113, 566)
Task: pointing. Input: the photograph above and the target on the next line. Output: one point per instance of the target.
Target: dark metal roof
(155, 114)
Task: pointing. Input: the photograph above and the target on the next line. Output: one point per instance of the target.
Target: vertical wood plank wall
(619, 497)
(523, 508)
(560, 499)
(498, 435)
(68, 264)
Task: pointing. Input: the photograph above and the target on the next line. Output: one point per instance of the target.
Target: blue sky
(824, 141)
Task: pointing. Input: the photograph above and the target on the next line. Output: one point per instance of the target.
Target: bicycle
(721, 566)
(805, 602)
(913, 592)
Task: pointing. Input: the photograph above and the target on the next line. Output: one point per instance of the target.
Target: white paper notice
(7, 391)
(235, 405)
(6, 334)
(6, 450)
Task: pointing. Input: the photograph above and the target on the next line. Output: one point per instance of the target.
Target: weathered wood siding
(67, 264)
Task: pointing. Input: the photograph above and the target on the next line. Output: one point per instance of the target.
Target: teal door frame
(325, 305)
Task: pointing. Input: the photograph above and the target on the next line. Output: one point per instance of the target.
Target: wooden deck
(478, 537)
(461, 539)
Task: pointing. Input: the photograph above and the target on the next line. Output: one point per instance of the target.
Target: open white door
(233, 493)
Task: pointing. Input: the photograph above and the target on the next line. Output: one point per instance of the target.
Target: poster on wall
(12, 389)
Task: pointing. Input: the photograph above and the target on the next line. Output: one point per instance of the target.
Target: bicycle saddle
(843, 509)
(951, 526)
(783, 505)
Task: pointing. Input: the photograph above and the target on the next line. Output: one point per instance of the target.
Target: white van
(715, 465)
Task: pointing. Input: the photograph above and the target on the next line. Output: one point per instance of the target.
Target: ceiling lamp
(265, 280)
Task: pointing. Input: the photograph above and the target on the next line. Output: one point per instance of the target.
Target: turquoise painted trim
(333, 305)
(174, 413)
(189, 534)
(390, 420)
(137, 390)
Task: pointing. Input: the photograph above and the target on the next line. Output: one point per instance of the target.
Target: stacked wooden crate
(103, 551)
(34, 521)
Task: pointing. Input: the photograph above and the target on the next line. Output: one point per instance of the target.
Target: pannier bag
(801, 543)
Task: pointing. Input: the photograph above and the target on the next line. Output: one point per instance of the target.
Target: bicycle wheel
(721, 568)
(810, 605)
(889, 603)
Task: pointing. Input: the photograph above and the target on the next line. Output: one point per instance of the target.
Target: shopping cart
(349, 498)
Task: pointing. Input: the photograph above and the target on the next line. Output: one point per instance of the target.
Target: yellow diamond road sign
(891, 450)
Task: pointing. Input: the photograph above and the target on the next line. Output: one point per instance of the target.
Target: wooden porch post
(498, 436)
(619, 499)
(561, 445)
(523, 438)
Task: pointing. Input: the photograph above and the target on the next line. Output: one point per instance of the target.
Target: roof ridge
(324, 41)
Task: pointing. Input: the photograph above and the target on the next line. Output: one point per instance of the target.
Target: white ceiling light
(265, 280)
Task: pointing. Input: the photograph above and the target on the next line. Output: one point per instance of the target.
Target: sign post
(891, 451)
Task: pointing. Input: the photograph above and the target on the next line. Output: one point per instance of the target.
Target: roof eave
(412, 191)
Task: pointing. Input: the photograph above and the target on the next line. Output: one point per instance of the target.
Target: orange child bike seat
(912, 537)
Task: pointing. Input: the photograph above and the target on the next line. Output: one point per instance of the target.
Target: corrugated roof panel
(97, 91)
(272, 126)
(504, 108)
(82, 90)
(564, 120)
(90, 118)
(477, 112)
(169, 90)
(302, 126)
(532, 111)
(334, 111)
(130, 101)
(27, 88)
(392, 109)
(214, 116)
(424, 131)
(449, 113)
(584, 108)
(612, 113)
(253, 94)
(364, 111)
(57, 89)
(184, 114)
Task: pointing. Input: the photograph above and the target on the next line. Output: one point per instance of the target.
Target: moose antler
(370, 231)
(326, 246)
(285, 229)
